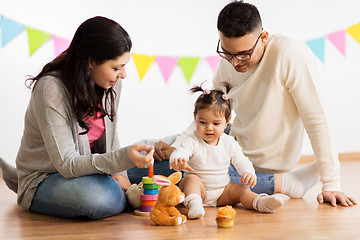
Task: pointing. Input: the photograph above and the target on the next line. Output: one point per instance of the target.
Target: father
(274, 96)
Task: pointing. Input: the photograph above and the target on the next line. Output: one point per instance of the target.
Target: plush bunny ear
(175, 177)
(161, 180)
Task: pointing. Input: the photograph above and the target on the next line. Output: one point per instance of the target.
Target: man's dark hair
(238, 19)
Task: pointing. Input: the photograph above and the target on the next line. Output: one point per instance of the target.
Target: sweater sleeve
(241, 163)
(58, 131)
(301, 76)
(185, 150)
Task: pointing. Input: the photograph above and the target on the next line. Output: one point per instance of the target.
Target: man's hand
(162, 151)
(333, 197)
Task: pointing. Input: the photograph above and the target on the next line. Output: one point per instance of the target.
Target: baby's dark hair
(217, 100)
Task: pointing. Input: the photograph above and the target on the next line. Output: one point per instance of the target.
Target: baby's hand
(180, 164)
(248, 179)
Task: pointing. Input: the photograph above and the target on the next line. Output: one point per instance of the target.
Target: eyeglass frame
(248, 53)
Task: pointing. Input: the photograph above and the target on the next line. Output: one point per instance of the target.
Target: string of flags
(336, 38)
(36, 38)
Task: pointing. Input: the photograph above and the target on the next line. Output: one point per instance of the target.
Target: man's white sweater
(273, 103)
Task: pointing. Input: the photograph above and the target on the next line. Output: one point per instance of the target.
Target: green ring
(150, 186)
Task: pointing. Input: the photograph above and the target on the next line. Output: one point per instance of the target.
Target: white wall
(151, 108)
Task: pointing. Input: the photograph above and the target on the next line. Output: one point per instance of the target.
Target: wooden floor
(297, 219)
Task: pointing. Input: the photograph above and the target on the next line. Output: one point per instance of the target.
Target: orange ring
(148, 203)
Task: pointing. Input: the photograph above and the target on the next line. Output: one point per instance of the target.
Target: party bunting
(166, 65)
(318, 47)
(354, 31)
(142, 63)
(188, 65)
(60, 44)
(338, 39)
(9, 30)
(36, 39)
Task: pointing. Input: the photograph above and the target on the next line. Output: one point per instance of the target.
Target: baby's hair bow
(225, 97)
(206, 91)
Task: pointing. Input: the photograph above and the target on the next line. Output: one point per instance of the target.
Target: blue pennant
(9, 30)
(318, 47)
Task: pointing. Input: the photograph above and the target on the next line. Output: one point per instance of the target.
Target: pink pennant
(60, 44)
(338, 39)
(213, 62)
(166, 65)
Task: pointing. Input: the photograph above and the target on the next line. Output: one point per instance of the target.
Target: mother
(70, 145)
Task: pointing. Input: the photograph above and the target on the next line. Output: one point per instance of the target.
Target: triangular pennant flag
(338, 39)
(213, 62)
(166, 65)
(318, 47)
(354, 31)
(188, 65)
(9, 30)
(60, 44)
(142, 63)
(36, 39)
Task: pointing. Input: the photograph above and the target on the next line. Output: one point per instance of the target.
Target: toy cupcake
(225, 217)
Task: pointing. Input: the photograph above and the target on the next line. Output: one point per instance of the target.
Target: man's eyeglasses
(242, 56)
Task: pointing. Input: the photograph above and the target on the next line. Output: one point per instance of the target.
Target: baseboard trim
(342, 157)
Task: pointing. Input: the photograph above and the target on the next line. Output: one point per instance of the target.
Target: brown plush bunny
(164, 211)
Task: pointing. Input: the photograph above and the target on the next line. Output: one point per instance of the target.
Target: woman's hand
(141, 161)
(248, 179)
(180, 164)
(162, 151)
(123, 181)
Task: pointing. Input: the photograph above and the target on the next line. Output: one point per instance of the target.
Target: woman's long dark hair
(98, 39)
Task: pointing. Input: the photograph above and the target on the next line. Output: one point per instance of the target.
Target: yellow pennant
(36, 39)
(142, 63)
(354, 31)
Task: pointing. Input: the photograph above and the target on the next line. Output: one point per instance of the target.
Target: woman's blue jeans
(93, 196)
